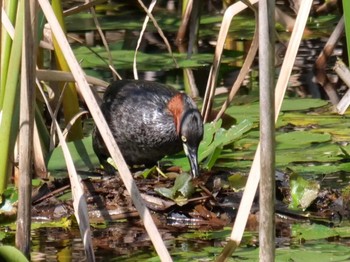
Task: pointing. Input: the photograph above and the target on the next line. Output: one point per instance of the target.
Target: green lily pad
(322, 169)
(180, 192)
(83, 155)
(302, 191)
(123, 59)
(237, 182)
(299, 104)
(302, 119)
(316, 231)
(300, 139)
(320, 153)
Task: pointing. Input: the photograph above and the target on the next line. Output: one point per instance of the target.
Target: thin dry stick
(106, 133)
(83, 7)
(160, 32)
(72, 121)
(144, 25)
(55, 113)
(96, 53)
(244, 70)
(105, 44)
(214, 70)
(327, 51)
(281, 86)
(343, 72)
(79, 202)
(38, 154)
(321, 63)
(27, 100)
(61, 76)
(184, 22)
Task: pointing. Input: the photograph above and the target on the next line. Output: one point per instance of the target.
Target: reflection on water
(112, 243)
(57, 244)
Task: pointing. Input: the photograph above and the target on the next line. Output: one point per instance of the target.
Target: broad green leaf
(214, 140)
(322, 169)
(11, 254)
(11, 194)
(123, 59)
(299, 104)
(183, 184)
(224, 137)
(300, 139)
(237, 181)
(180, 192)
(302, 191)
(319, 252)
(212, 158)
(318, 153)
(148, 171)
(249, 111)
(166, 192)
(2, 235)
(315, 231)
(303, 119)
(82, 153)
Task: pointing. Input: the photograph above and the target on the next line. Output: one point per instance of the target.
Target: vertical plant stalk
(1, 30)
(321, 63)
(254, 174)
(105, 43)
(214, 70)
(70, 99)
(27, 104)
(346, 8)
(267, 130)
(245, 67)
(9, 121)
(159, 30)
(144, 25)
(11, 10)
(106, 135)
(186, 15)
(79, 202)
(187, 10)
(344, 74)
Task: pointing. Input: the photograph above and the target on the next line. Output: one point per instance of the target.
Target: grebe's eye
(184, 139)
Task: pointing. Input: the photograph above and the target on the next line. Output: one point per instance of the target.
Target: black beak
(191, 154)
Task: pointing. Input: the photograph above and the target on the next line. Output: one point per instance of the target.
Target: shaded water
(130, 244)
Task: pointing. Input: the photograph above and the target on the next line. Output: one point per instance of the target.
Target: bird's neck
(176, 107)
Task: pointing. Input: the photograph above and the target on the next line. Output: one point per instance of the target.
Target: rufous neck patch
(176, 107)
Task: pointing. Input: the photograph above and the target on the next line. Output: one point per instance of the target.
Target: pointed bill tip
(191, 154)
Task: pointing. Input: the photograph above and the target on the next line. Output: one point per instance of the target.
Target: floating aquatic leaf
(346, 154)
(300, 139)
(96, 58)
(180, 192)
(297, 104)
(237, 181)
(83, 155)
(302, 191)
(11, 194)
(314, 231)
